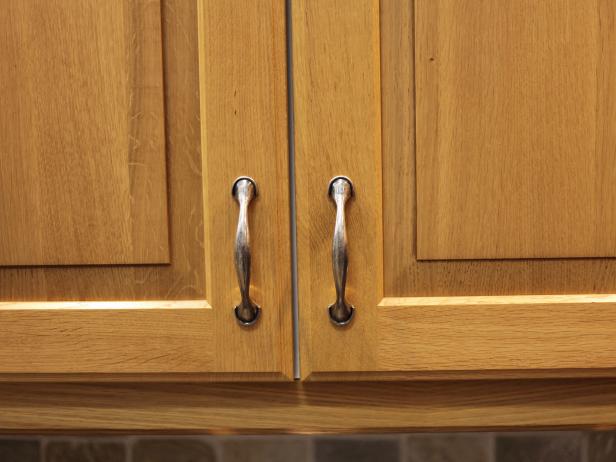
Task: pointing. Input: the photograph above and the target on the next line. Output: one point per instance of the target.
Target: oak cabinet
(471, 229)
(124, 125)
(480, 142)
(450, 198)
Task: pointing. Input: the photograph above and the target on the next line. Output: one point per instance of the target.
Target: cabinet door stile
(337, 103)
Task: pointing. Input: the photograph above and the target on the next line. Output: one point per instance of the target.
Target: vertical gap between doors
(293, 214)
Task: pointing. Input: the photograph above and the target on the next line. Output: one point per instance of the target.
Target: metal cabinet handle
(340, 191)
(244, 190)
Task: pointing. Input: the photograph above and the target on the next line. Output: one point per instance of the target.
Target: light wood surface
(244, 133)
(337, 120)
(402, 330)
(82, 169)
(184, 277)
(106, 337)
(133, 322)
(497, 333)
(514, 135)
(307, 408)
(404, 275)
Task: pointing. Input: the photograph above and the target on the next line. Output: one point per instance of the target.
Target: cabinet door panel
(224, 115)
(360, 113)
(82, 167)
(515, 137)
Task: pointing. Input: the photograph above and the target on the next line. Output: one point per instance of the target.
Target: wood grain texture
(337, 132)
(106, 337)
(184, 277)
(307, 408)
(514, 134)
(497, 333)
(115, 334)
(82, 165)
(404, 275)
(244, 133)
(396, 335)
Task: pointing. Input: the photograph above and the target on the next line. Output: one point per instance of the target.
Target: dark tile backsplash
(274, 449)
(420, 447)
(368, 449)
(85, 451)
(20, 450)
(547, 447)
(602, 447)
(467, 447)
(173, 450)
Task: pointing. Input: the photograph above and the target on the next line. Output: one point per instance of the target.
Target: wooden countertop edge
(306, 408)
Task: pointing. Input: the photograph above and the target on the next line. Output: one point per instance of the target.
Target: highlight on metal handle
(244, 190)
(340, 191)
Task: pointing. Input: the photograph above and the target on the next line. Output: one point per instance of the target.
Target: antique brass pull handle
(340, 191)
(244, 190)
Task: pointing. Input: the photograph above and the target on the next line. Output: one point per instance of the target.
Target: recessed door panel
(515, 129)
(82, 149)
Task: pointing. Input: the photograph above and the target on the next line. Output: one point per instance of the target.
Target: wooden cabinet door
(480, 139)
(124, 124)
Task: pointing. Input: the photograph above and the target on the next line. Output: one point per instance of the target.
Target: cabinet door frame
(354, 83)
(239, 55)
